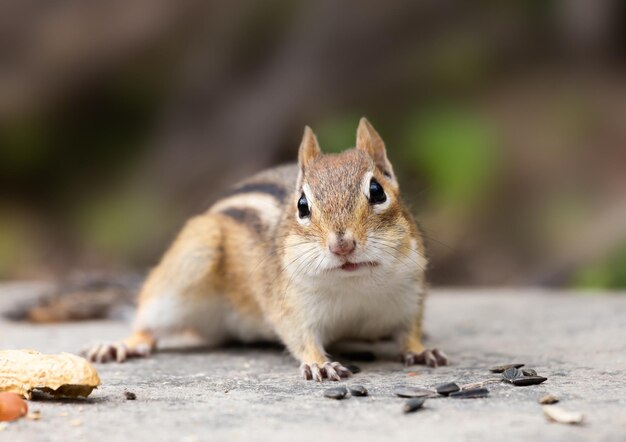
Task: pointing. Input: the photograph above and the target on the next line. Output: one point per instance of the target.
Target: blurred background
(506, 122)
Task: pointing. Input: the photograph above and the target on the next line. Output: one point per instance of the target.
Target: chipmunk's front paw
(431, 358)
(115, 351)
(333, 371)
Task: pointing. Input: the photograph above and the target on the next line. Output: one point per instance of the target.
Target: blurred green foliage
(457, 153)
(18, 246)
(101, 133)
(607, 273)
(337, 133)
(117, 224)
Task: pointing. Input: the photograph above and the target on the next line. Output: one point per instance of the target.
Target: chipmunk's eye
(377, 193)
(303, 207)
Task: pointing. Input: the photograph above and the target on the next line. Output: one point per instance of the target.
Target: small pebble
(529, 372)
(470, 394)
(412, 392)
(528, 380)
(548, 399)
(502, 368)
(336, 393)
(446, 389)
(130, 395)
(358, 390)
(34, 415)
(413, 404)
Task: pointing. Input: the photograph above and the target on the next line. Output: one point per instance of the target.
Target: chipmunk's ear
(309, 148)
(370, 142)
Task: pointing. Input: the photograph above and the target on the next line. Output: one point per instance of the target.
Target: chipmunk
(306, 254)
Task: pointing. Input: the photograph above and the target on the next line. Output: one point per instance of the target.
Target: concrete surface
(577, 341)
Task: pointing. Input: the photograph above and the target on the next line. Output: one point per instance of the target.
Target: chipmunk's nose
(342, 243)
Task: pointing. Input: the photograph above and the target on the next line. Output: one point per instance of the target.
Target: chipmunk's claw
(431, 358)
(336, 371)
(115, 351)
(333, 371)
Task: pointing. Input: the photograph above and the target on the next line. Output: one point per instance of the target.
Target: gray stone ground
(577, 340)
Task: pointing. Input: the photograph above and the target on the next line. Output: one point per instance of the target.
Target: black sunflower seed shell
(358, 390)
(501, 368)
(529, 372)
(412, 392)
(446, 389)
(413, 404)
(336, 393)
(528, 380)
(511, 373)
(470, 394)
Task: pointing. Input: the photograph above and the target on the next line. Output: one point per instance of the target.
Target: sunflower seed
(358, 390)
(336, 393)
(502, 368)
(548, 399)
(528, 380)
(510, 374)
(446, 389)
(470, 394)
(412, 392)
(413, 404)
(529, 372)
(557, 414)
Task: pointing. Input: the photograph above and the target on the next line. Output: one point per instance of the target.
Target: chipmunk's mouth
(353, 266)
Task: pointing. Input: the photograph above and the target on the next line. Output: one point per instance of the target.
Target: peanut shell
(22, 371)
